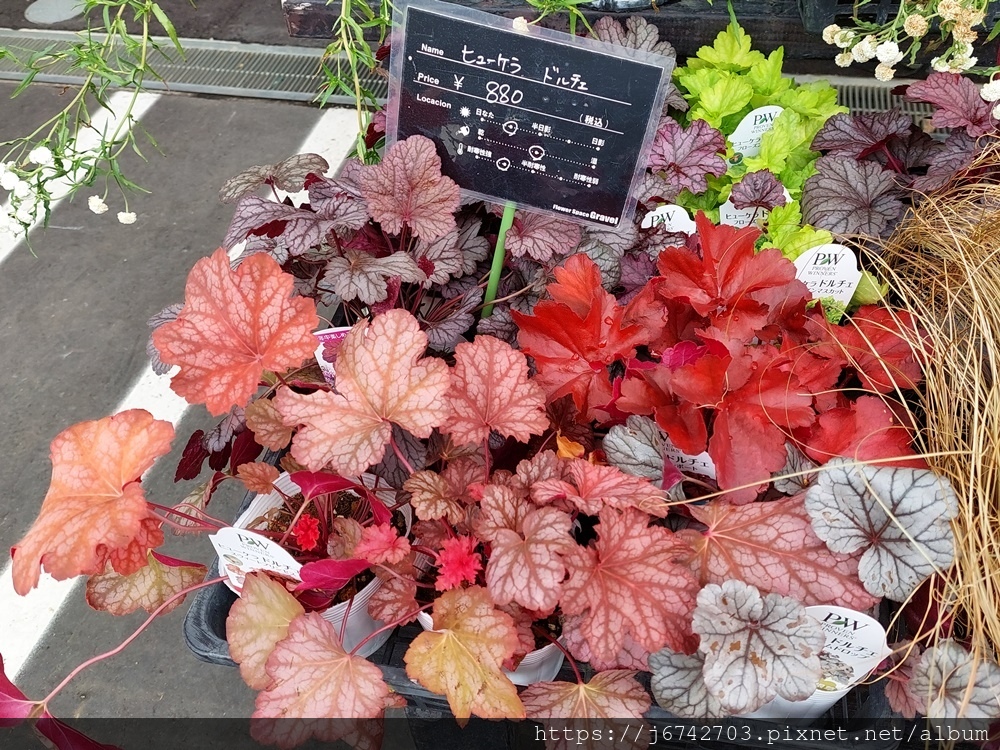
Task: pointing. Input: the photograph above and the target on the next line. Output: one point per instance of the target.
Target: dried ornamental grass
(943, 265)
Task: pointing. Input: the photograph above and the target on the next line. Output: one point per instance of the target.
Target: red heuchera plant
(545, 482)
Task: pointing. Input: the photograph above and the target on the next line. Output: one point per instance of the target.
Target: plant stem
(389, 626)
(212, 522)
(506, 222)
(567, 654)
(399, 455)
(124, 644)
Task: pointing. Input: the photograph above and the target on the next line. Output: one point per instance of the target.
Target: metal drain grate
(292, 73)
(211, 67)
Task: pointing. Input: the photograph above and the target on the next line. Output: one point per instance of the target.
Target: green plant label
(551, 122)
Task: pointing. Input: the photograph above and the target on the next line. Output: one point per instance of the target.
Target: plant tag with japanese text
(829, 271)
(241, 552)
(748, 134)
(701, 464)
(329, 341)
(671, 217)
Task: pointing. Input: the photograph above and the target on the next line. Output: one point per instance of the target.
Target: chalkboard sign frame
(662, 65)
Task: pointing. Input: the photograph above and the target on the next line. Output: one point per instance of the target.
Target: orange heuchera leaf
(258, 476)
(773, 547)
(265, 422)
(95, 509)
(600, 714)
(381, 544)
(148, 588)
(631, 582)
(235, 325)
(257, 621)
(433, 497)
(408, 188)
(597, 487)
(461, 658)
(501, 509)
(314, 678)
(490, 390)
(395, 600)
(382, 379)
(528, 568)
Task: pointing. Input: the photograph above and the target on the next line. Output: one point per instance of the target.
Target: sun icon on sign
(465, 111)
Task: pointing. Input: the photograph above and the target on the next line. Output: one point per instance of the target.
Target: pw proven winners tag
(829, 271)
(749, 133)
(241, 552)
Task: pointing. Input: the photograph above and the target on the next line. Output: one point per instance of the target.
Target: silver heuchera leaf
(679, 687)
(220, 435)
(636, 448)
(444, 334)
(756, 647)
(287, 175)
(796, 462)
(606, 257)
(167, 314)
(358, 275)
(899, 517)
(474, 247)
(950, 684)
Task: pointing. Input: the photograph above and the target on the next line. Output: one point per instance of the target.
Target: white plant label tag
(748, 134)
(829, 270)
(671, 217)
(332, 338)
(855, 644)
(701, 464)
(241, 552)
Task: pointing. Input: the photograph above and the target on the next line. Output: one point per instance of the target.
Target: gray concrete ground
(72, 338)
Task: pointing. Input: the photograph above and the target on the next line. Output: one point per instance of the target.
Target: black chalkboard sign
(545, 120)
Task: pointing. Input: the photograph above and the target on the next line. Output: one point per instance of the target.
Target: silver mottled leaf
(445, 333)
(756, 647)
(606, 257)
(950, 684)
(898, 516)
(679, 687)
(287, 175)
(636, 448)
(500, 324)
(797, 461)
(301, 229)
(359, 275)
(167, 314)
(340, 202)
(440, 259)
(217, 438)
(474, 248)
(637, 33)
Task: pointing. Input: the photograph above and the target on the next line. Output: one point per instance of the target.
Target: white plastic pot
(360, 624)
(540, 665)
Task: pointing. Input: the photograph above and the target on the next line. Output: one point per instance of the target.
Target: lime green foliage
(722, 84)
(869, 291)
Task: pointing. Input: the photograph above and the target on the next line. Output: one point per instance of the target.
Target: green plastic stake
(506, 222)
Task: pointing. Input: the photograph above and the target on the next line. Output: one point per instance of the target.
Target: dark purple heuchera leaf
(758, 190)
(287, 175)
(391, 469)
(913, 151)
(168, 313)
(447, 323)
(859, 135)
(958, 103)
(500, 324)
(245, 449)
(192, 457)
(637, 269)
(687, 157)
(851, 197)
(299, 228)
(950, 157)
(652, 189)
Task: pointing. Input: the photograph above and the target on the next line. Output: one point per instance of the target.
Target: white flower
(915, 25)
(991, 91)
(996, 111)
(864, 50)
(9, 180)
(843, 38)
(521, 25)
(963, 49)
(888, 53)
(941, 66)
(844, 59)
(22, 189)
(126, 217)
(26, 213)
(884, 72)
(40, 155)
(949, 10)
(961, 63)
(830, 33)
(96, 204)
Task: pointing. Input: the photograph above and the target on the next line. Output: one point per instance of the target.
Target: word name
(431, 50)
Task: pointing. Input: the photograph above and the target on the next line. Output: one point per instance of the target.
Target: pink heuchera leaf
(686, 157)
(433, 497)
(148, 588)
(461, 658)
(408, 188)
(257, 622)
(596, 714)
(458, 563)
(772, 546)
(15, 706)
(957, 103)
(599, 487)
(632, 655)
(630, 582)
(528, 568)
(382, 380)
(395, 601)
(233, 327)
(312, 678)
(382, 544)
(905, 657)
(500, 509)
(490, 390)
(541, 237)
(95, 510)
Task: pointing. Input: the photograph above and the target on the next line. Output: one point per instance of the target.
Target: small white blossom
(941, 66)
(991, 91)
(996, 112)
(521, 25)
(126, 217)
(96, 204)
(864, 50)
(40, 155)
(915, 26)
(830, 33)
(949, 10)
(9, 180)
(22, 189)
(26, 213)
(888, 53)
(844, 59)
(884, 72)
(844, 38)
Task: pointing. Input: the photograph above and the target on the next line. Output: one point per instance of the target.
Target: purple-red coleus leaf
(860, 135)
(685, 158)
(315, 483)
(15, 706)
(846, 196)
(758, 190)
(957, 101)
(330, 575)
